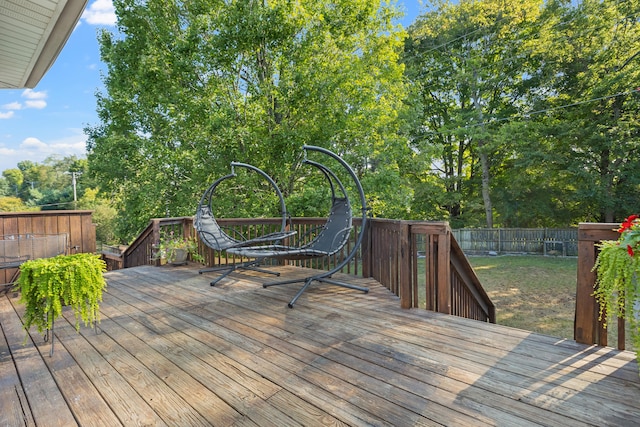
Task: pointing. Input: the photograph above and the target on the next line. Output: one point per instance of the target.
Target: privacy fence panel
(76, 226)
(541, 241)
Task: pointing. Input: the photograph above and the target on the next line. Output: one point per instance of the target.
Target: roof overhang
(32, 34)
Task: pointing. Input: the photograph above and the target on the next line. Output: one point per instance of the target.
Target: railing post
(187, 227)
(586, 310)
(405, 257)
(155, 237)
(366, 250)
(587, 329)
(443, 272)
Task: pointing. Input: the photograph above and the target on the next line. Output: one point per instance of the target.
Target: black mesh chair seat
(329, 240)
(216, 238)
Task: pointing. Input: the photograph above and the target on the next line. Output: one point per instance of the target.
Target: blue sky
(49, 119)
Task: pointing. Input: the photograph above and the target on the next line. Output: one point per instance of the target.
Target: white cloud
(100, 12)
(32, 94)
(35, 99)
(12, 106)
(33, 144)
(6, 115)
(71, 147)
(74, 144)
(36, 150)
(39, 104)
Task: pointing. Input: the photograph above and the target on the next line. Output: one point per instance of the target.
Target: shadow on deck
(172, 350)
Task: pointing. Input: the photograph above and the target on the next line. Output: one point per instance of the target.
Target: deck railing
(422, 263)
(418, 261)
(587, 328)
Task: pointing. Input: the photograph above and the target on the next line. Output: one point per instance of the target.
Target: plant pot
(179, 257)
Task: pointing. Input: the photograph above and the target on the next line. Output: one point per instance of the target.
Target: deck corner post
(404, 263)
(587, 327)
(443, 271)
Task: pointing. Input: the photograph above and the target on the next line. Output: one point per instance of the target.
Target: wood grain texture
(172, 350)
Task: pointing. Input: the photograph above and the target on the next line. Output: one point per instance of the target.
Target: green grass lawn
(534, 293)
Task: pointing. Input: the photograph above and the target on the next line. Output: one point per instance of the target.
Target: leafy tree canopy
(527, 110)
(46, 185)
(192, 86)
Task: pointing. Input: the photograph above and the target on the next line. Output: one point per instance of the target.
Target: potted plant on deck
(48, 284)
(175, 248)
(617, 287)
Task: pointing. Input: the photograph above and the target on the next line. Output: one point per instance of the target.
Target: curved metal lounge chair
(212, 235)
(329, 241)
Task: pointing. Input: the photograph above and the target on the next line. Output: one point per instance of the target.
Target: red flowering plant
(617, 288)
(630, 234)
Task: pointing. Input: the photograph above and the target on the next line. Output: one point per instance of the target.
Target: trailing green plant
(49, 284)
(618, 271)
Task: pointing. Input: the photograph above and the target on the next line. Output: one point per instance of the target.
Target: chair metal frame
(313, 249)
(214, 237)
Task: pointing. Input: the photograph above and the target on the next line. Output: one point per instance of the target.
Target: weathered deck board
(172, 350)
(13, 403)
(37, 383)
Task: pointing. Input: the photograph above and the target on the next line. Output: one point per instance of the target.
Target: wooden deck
(173, 351)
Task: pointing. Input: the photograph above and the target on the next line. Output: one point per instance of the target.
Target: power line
(573, 104)
(532, 113)
(558, 24)
(53, 204)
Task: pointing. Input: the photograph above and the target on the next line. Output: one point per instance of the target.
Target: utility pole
(74, 181)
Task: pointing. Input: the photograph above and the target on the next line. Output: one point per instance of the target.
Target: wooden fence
(78, 225)
(418, 261)
(542, 241)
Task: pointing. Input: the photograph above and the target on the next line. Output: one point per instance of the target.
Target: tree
(194, 85)
(467, 62)
(14, 178)
(5, 190)
(47, 184)
(591, 111)
(104, 215)
(14, 204)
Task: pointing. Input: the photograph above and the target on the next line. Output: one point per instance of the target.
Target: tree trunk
(486, 197)
(484, 159)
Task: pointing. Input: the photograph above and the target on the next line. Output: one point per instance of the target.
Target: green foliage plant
(15, 204)
(171, 243)
(49, 284)
(618, 270)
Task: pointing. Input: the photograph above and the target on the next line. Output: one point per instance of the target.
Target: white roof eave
(32, 34)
